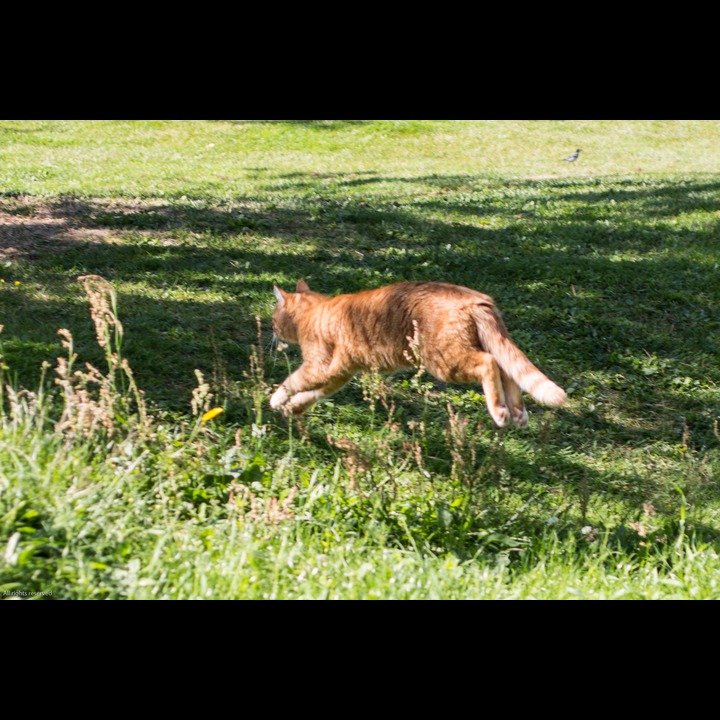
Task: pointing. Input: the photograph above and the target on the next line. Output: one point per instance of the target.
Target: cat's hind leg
(514, 400)
(479, 366)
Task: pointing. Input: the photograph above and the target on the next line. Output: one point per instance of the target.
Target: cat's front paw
(279, 398)
(292, 409)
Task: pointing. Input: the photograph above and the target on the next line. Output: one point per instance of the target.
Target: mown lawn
(606, 271)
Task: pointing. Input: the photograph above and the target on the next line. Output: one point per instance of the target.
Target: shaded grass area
(618, 293)
(621, 310)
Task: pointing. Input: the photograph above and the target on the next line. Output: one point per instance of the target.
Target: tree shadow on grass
(10, 129)
(518, 494)
(627, 317)
(313, 124)
(592, 304)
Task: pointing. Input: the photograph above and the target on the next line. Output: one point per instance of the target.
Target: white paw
(500, 415)
(292, 408)
(279, 398)
(520, 416)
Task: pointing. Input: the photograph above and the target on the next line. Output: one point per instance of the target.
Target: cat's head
(290, 309)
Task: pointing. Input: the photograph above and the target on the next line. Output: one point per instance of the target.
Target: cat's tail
(512, 360)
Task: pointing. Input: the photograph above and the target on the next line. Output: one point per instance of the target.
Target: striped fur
(455, 333)
(512, 360)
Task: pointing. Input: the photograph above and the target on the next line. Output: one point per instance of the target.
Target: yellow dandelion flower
(17, 282)
(210, 414)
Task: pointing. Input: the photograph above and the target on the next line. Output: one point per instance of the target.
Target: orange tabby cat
(459, 336)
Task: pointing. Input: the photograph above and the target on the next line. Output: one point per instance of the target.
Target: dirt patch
(31, 226)
(26, 228)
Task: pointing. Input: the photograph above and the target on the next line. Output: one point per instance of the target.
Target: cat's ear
(280, 295)
(302, 286)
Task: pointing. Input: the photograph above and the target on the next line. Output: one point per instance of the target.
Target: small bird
(573, 157)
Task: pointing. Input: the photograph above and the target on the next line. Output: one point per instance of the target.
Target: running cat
(456, 332)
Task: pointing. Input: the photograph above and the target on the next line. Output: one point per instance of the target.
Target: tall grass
(102, 499)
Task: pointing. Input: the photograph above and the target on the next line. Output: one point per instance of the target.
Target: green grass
(606, 271)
